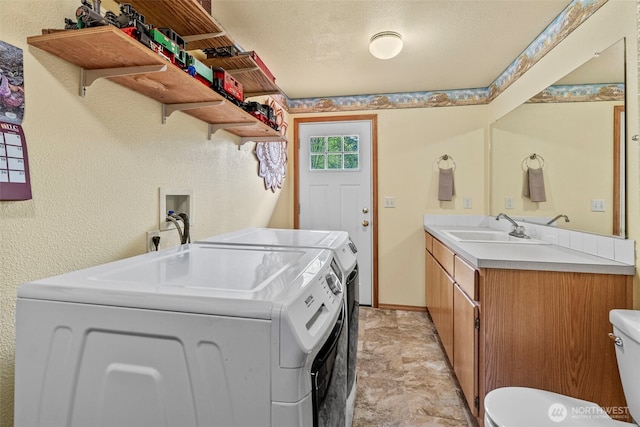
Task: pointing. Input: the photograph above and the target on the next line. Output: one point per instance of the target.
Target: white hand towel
(446, 189)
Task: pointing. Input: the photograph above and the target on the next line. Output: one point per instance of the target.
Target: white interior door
(335, 186)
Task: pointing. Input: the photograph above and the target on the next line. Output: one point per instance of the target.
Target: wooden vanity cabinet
(540, 329)
(454, 313)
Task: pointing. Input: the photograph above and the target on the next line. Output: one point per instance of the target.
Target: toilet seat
(528, 407)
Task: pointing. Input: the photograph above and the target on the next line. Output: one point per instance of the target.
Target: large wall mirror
(575, 132)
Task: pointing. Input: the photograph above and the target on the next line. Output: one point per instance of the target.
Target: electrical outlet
(508, 202)
(151, 247)
(168, 238)
(467, 202)
(389, 202)
(597, 205)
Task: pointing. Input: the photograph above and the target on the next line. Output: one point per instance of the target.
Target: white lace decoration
(272, 157)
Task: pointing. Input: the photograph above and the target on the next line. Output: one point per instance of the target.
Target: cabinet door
(430, 284)
(445, 330)
(465, 357)
(439, 295)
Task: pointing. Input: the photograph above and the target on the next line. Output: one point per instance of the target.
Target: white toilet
(528, 407)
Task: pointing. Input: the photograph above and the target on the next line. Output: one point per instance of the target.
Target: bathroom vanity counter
(526, 256)
(529, 314)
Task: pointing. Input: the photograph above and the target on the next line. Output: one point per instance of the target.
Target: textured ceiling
(318, 48)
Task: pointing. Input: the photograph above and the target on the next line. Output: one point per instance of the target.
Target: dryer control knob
(334, 283)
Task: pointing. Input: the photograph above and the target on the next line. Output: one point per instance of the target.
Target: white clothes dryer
(198, 335)
(345, 253)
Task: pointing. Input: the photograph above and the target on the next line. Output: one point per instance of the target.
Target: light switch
(508, 202)
(597, 205)
(389, 202)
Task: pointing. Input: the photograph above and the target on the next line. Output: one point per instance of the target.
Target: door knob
(365, 223)
(365, 210)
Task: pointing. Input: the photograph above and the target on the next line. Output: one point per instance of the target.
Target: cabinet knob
(365, 210)
(365, 223)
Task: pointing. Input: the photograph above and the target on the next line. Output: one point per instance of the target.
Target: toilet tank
(626, 326)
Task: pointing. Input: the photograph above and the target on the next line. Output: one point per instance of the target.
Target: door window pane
(334, 161)
(335, 144)
(317, 144)
(317, 162)
(351, 143)
(351, 161)
(336, 152)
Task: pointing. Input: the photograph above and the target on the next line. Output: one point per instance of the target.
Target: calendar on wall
(14, 163)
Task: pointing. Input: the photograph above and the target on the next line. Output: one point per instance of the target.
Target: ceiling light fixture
(385, 45)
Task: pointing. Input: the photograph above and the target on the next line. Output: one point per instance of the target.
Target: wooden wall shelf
(105, 48)
(189, 19)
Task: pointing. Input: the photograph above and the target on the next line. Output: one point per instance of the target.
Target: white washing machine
(345, 253)
(198, 335)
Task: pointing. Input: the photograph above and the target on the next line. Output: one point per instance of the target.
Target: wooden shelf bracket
(215, 127)
(87, 77)
(169, 109)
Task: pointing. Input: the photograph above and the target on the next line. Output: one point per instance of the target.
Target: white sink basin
(489, 236)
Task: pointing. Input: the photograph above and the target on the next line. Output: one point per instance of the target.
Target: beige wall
(409, 142)
(96, 167)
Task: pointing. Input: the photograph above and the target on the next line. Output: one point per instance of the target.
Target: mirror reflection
(559, 157)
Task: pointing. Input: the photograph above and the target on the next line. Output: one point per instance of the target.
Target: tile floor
(404, 379)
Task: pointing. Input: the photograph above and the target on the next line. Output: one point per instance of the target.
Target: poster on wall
(15, 183)
(11, 84)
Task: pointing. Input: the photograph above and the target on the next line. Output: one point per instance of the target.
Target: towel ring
(445, 158)
(531, 157)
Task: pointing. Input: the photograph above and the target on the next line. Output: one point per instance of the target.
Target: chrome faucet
(516, 230)
(566, 219)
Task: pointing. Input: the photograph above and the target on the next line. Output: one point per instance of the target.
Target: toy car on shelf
(262, 112)
(221, 52)
(226, 85)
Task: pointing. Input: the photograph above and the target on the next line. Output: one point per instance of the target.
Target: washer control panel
(311, 315)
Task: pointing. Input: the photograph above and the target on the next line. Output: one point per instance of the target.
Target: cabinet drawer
(428, 242)
(444, 256)
(466, 276)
